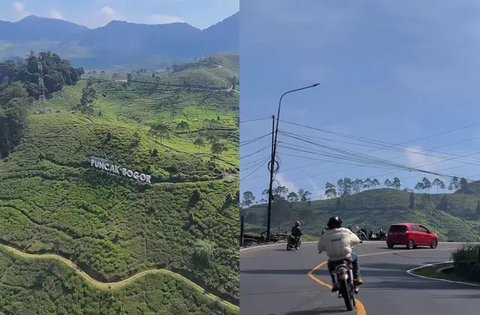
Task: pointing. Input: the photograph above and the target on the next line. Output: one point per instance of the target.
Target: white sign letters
(107, 166)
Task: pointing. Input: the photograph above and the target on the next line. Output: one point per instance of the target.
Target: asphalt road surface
(276, 281)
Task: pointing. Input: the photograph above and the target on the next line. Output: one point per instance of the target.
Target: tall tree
(13, 113)
(454, 184)
(281, 191)
(367, 183)
(419, 186)
(426, 184)
(387, 183)
(438, 183)
(248, 199)
(357, 185)
(330, 190)
(344, 186)
(304, 195)
(396, 183)
(292, 197)
(375, 183)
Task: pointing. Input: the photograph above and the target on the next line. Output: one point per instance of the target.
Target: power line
(254, 171)
(384, 145)
(255, 119)
(379, 141)
(247, 142)
(255, 161)
(258, 151)
(423, 152)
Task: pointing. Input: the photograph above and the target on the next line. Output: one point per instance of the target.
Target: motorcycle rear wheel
(346, 294)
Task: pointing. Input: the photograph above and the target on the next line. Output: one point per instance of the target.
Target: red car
(411, 235)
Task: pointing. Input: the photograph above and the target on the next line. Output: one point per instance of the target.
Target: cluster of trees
(19, 82)
(88, 96)
(455, 184)
(346, 186)
(13, 112)
(57, 73)
(280, 193)
(212, 134)
(209, 62)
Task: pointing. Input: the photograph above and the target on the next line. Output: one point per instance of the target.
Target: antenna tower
(41, 85)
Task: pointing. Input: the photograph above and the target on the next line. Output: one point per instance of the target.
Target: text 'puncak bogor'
(107, 166)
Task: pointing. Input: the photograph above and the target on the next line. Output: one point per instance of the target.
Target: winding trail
(117, 285)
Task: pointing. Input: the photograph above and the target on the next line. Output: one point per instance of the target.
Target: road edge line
(411, 272)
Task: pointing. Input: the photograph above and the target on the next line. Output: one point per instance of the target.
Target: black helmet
(297, 223)
(334, 222)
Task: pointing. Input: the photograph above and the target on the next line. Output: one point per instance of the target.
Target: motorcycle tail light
(343, 276)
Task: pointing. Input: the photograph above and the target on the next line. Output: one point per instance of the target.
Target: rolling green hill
(184, 135)
(455, 217)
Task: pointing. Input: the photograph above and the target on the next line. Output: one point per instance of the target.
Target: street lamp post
(273, 166)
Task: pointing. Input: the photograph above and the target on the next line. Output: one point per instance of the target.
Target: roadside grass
(436, 273)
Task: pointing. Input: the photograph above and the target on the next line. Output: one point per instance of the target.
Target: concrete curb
(411, 272)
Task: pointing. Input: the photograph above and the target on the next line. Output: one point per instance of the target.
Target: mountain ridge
(118, 44)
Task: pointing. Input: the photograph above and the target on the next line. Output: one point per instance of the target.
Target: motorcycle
(362, 235)
(381, 235)
(343, 275)
(293, 242)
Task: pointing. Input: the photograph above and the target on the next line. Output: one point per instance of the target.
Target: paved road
(274, 281)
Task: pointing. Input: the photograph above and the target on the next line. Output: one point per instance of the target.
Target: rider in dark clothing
(297, 232)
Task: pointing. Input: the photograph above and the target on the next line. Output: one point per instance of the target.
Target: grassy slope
(381, 207)
(52, 201)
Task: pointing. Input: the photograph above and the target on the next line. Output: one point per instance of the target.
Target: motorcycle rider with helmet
(338, 242)
(297, 233)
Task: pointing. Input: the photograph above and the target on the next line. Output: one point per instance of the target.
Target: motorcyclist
(338, 242)
(297, 233)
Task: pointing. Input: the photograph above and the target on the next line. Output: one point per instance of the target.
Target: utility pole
(273, 165)
(242, 229)
(272, 168)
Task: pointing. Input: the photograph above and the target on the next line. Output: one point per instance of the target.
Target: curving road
(116, 285)
(274, 281)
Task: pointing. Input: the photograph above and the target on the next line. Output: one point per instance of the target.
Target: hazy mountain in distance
(118, 44)
(38, 28)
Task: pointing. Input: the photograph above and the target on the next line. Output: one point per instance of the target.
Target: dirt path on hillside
(116, 285)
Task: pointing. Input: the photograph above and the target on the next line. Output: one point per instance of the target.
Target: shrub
(203, 252)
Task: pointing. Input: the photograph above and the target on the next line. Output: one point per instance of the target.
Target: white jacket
(338, 243)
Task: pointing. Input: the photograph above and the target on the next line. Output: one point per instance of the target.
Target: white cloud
(20, 9)
(165, 19)
(108, 13)
(281, 179)
(418, 158)
(55, 14)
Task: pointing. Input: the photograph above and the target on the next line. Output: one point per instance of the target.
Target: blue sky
(402, 72)
(95, 13)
